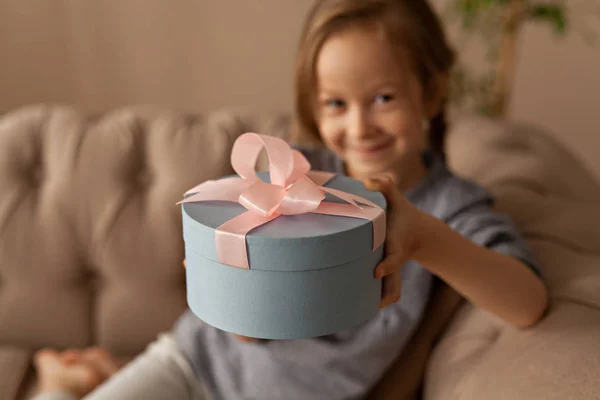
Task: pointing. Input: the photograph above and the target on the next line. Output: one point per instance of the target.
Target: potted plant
(499, 24)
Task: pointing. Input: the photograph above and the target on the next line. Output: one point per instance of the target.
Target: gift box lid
(290, 242)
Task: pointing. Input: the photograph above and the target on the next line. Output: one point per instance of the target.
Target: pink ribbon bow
(294, 189)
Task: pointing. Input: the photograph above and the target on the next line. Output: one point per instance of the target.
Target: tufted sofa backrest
(90, 234)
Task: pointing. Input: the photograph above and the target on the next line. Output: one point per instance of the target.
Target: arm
(499, 283)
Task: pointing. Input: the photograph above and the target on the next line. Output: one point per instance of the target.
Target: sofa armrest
(556, 360)
(14, 367)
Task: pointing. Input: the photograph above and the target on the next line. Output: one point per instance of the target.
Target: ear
(435, 94)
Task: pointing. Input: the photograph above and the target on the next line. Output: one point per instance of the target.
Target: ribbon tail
(198, 188)
(374, 214)
(320, 178)
(349, 197)
(228, 189)
(230, 238)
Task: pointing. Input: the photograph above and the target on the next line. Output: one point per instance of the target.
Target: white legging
(161, 372)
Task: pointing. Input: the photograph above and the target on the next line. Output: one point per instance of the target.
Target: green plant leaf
(485, 21)
(472, 10)
(551, 13)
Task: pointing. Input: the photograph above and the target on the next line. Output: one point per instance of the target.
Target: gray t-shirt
(347, 364)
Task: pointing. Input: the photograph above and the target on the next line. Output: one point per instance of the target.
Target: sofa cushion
(555, 202)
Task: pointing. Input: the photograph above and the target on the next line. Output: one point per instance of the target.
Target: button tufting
(144, 178)
(36, 176)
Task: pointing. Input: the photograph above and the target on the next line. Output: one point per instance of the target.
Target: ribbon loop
(246, 150)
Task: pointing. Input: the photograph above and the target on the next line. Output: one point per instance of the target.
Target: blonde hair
(410, 25)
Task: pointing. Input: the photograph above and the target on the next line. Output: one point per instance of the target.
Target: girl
(371, 80)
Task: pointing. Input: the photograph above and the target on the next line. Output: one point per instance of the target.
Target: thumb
(384, 184)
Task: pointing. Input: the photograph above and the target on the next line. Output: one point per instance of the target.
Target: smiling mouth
(374, 149)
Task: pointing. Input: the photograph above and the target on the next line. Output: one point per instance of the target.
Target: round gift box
(310, 275)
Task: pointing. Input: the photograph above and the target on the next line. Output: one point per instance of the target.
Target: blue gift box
(307, 271)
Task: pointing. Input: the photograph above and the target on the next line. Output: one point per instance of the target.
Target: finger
(388, 266)
(387, 187)
(70, 356)
(86, 374)
(384, 184)
(391, 289)
(102, 360)
(184, 264)
(376, 182)
(246, 339)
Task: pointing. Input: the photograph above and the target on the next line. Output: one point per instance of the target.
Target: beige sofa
(91, 248)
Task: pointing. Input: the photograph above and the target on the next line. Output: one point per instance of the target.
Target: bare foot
(74, 371)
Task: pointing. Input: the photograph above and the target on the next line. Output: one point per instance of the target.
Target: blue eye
(383, 98)
(335, 103)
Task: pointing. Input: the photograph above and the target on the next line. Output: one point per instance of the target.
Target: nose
(358, 124)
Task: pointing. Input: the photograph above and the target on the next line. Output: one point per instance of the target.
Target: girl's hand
(74, 371)
(238, 337)
(401, 237)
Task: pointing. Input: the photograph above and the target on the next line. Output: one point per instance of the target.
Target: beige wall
(558, 86)
(193, 54)
(200, 55)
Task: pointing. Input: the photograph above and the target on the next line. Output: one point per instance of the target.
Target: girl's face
(369, 104)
